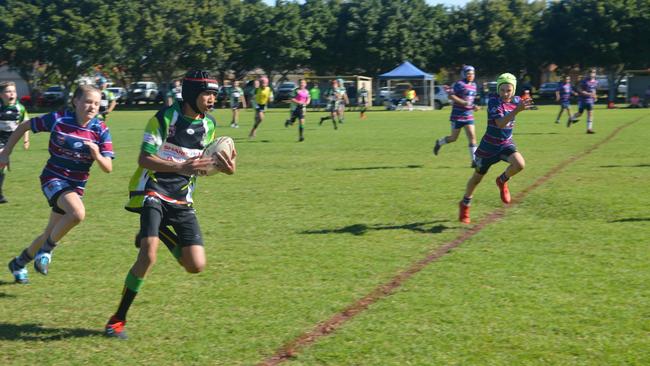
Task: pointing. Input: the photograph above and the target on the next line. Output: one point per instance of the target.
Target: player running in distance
(108, 102)
(161, 188)
(263, 96)
(237, 100)
(587, 98)
(462, 94)
(300, 102)
(77, 139)
(12, 113)
(362, 101)
(337, 98)
(563, 95)
(497, 145)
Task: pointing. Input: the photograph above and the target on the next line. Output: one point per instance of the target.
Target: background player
(462, 94)
(587, 98)
(237, 100)
(300, 102)
(563, 95)
(263, 96)
(12, 113)
(77, 139)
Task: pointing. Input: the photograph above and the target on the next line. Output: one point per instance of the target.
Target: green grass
(304, 229)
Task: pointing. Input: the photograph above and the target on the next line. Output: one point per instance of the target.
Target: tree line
(59, 40)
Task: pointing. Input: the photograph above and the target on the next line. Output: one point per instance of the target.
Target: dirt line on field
(327, 327)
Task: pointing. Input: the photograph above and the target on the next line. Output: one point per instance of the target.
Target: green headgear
(506, 78)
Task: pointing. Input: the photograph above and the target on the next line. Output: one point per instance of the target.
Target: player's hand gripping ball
(222, 152)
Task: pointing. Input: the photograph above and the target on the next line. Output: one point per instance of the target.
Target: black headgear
(194, 83)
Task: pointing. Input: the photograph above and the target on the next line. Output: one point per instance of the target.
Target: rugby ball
(223, 143)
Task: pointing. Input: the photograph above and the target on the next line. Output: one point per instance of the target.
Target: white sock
(442, 141)
(472, 150)
(590, 124)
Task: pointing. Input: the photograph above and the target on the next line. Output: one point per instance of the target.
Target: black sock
(23, 258)
(503, 177)
(300, 130)
(131, 288)
(2, 180)
(49, 246)
(127, 299)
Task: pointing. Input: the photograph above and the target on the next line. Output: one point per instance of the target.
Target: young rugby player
(12, 113)
(587, 98)
(237, 100)
(462, 113)
(563, 95)
(362, 101)
(108, 102)
(162, 186)
(174, 94)
(77, 139)
(337, 98)
(497, 145)
(263, 96)
(300, 101)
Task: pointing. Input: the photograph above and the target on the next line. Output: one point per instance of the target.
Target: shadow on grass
(246, 140)
(382, 167)
(626, 166)
(5, 283)
(631, 219)
(362, 229)
(36, 332)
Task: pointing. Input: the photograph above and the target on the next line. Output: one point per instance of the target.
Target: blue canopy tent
(408, 72)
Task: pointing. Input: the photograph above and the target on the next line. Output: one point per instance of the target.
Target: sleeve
(43, 123)
(106, 142)
(152, 139)
(24, 116)
(457, 90)
(110, 96)
(494, 110)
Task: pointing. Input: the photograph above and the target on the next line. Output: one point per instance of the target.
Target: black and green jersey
(11, 116)
(107, 98)
(174, 137)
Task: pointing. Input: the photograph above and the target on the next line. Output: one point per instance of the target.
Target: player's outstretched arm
(13, 140)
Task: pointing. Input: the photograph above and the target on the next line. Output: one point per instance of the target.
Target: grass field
(304, 230)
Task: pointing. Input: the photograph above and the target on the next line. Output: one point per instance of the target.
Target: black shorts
(156, 213)
(484, 164)
(4, 138)
(261, 107)
(298, 112)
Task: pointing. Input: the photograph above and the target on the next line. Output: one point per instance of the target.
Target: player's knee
(520, 165)
(78, 215)
(195, 266)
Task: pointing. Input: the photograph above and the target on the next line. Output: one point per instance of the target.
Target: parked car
(622, 87)
(547, 90)
(440, 97)
(284, 91)
(54, 95)
(146, 91)
(120, 94)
